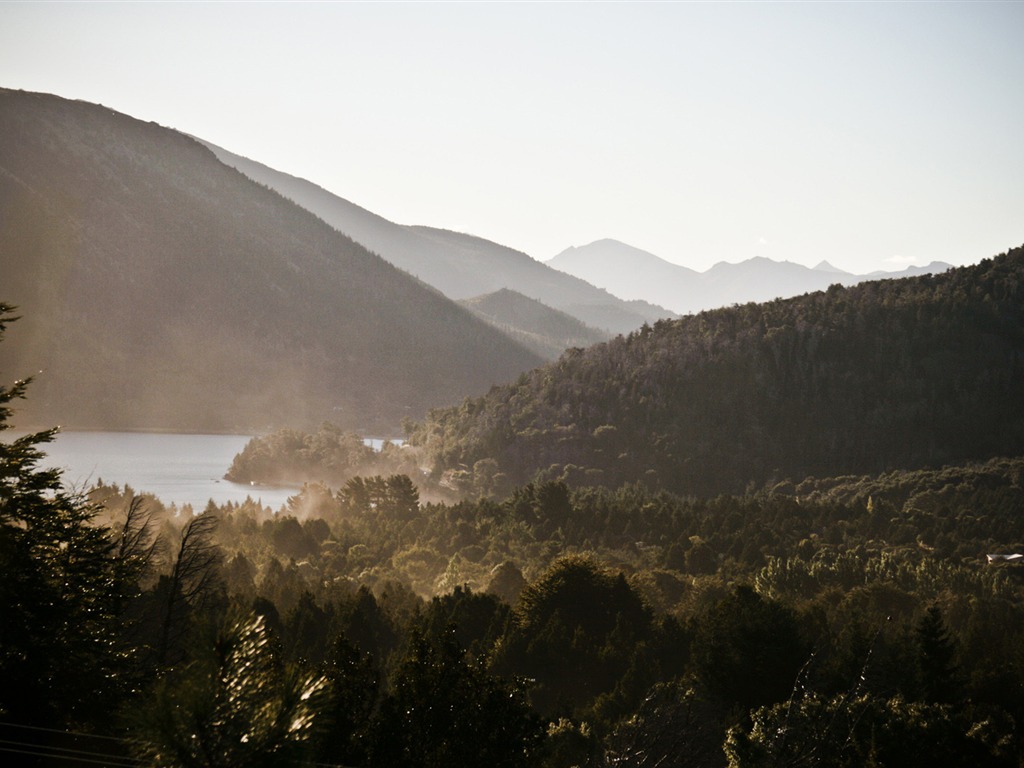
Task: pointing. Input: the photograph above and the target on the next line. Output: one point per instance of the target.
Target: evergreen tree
(61, 590)
(235, 704)
(446, 710)
(352, 697)
(192, 586)
(573, 631)
(748, 649)
(935, 657)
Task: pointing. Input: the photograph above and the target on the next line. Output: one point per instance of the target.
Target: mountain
(545, 331)
(824, 266)
(932, 268)
(639, 275)
(633, 273)
(162, 289)
(461, 266)
(909, 373)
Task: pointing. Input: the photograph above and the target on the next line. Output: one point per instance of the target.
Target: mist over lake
(176, 468)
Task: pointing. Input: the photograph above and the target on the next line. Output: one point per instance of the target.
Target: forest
(778, 534)
(873, 619)
(880, 376)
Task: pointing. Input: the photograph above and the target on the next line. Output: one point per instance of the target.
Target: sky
(873, 135)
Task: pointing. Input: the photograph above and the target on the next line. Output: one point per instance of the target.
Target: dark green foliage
(234, 704)
(853, 731)
(64, 588)
(674, 727)
(353, 691)
(476, 620)
(936, 654)
(883, 375)
(748, 649)
(571, 744)
(445, 709)
(306, 630)
(365, 624)
(574, 631)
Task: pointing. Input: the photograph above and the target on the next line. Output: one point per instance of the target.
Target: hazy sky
(869, 134)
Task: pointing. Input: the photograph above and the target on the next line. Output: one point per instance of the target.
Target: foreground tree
(352, 695)
(854, 730)
(61, 592)
(574, 632)
(747, 649)
(674, 727)
(936, 652)
(192, 586)
(447, 710)
(235, 704)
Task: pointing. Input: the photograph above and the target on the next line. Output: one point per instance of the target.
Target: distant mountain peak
(824, 266)
(632, 273)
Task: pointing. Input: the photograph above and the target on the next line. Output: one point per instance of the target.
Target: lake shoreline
(176, 468)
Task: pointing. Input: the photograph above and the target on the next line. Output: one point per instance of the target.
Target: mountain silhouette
(640, 275)
(546, 331)
(459, 265)
(162, 289)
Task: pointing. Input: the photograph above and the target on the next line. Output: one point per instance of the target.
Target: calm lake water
(178, 469)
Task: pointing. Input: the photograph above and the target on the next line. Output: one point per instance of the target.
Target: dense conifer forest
(884, 375)
(781, 534)
(854, 620)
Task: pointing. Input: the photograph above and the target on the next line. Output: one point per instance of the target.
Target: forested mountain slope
(460, 266)
(161, 289)
(546, 331)
(903, 373)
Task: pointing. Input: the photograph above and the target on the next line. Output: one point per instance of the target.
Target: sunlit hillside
(892, 374)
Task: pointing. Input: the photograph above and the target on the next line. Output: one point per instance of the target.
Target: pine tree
(447, 710)
(235, 704)
(62, 588)
(936, 651)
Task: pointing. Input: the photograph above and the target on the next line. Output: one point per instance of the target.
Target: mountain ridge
(638, 274)
(161, 289)
(460, 265)
(546, 331)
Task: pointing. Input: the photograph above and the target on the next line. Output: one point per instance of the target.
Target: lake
(177, 469)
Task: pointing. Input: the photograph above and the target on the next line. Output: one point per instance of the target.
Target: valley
(775, 523)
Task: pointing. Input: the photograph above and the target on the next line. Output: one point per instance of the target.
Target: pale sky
(873, 135)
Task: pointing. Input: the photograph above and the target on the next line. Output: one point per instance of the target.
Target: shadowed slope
(163, 290)
(460, 266)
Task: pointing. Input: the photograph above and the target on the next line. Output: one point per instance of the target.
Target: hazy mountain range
(168, 284)
(461, 266)
(639, 275)
(546, 331)
(607, 285)
(162, 289)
